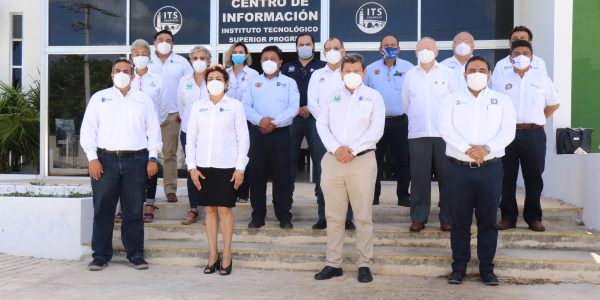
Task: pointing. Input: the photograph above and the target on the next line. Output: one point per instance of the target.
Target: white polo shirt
(504, 65)
(488, 119)
(424, 94)
(530, 95)
(217, 135)
(238, 84)
(352, 120)
(151, 85)
(116, 122)
(458, 68)
(322, 83)
(188, 93)
(170, 73)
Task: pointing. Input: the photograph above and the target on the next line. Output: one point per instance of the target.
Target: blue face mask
(305, 52)
(389, 52)
(238, 58)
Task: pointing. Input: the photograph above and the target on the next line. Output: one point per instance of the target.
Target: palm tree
(19, 127)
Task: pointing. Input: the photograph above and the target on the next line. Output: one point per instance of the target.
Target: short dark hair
(386, 36)
(351, 58)
(164, 31)
(122, 60)
(216, 68)
(312, 39)
(520, 43)
(477, 58)
(521, 28)
(272, 48)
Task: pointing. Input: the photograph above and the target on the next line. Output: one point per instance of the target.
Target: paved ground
(30, 278)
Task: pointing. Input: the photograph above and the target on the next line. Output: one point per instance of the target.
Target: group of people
(456, 121)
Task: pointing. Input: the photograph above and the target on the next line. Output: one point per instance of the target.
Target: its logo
(337, 98)
(188, 86)
(203, 110)
(371, 17)
(169, 18)
(508, 86)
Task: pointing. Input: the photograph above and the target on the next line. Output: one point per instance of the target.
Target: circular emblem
(371, 17)
(376, 71)
(258, 84)
(508, 86)
(169, 18)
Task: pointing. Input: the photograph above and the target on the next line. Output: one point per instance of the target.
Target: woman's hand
(195, 175)
(237, 178)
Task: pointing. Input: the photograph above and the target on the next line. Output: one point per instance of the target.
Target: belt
(472, 164)
(361, 153)
(395, 117)
(123, 152)
(524, 126)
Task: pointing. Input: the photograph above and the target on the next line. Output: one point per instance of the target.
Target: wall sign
(168, 18)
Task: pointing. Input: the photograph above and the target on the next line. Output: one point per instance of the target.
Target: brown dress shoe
(416, 227)
(171, 197)
(506, 224)
(537, 226)
(446, 226)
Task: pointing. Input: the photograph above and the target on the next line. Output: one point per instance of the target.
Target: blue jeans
(124, 178)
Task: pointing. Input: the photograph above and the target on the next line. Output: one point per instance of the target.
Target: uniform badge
(258, 84)
(337, 98)
(188, 86)
(376, 71)
(360, 98)
(291, 69)
(203, 110)
(398, 74)
(508, 86)
(457, 102)
(494, 101)
(281, 84)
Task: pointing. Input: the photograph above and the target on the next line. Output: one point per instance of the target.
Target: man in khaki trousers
(350, 127)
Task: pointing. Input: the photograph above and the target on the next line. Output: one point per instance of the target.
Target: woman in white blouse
(217, 154)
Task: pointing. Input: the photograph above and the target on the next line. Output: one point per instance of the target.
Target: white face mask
(199, 66)
(477, 81)
(352, 80)
(425, 56)
(521, 62)
(121, 80)
(164, 48)
(215, 87)
(463, 49)
(333, 56)
(140, 62)
(269, 67)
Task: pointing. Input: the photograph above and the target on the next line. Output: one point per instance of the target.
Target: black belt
(472, 164)
(395, 117)
(123, 152)
(361, 153)
(526, 126)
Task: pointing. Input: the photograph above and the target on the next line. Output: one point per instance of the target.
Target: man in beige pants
(350, 127)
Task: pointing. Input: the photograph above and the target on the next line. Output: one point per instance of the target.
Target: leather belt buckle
(474, 165)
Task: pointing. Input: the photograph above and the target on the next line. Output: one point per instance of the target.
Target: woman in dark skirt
(217, 154)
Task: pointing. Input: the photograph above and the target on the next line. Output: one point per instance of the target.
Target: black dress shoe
(138, 264)
(254, 224)
(329, 272)
(376, 201)
(489, 278)
(321, 224)
(286, 225)
(98, 264)
(364, 274)
(350, 225)
(456, 277)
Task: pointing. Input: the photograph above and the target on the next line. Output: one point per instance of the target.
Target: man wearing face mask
(386, 76)
(303, 125)
(271, 103)
(423, 93)
(170, 67)
(120, 135)
(535, 99)
(463, 45)
(350, 127)
(475, 166)
(505, 64)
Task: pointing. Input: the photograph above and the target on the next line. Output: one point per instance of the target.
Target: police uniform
(388, 82)
(122, 132)
(269, 154)
(458, 68)
(530, 95)
(356, 121)
(488, 119)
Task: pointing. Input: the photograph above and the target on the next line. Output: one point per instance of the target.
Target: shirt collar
(435, 66)
(393, 66)
(274, 78)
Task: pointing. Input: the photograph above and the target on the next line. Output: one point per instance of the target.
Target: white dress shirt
(424, 93)
(217, 135)
(238, 84)
(170, 73)
(458, 68)
(488, 119)
(116, 122)
(151, 85)
(504, 65)
(352, 120)
(188, 93)
(322, 83)
(530, 95)
(277, 98)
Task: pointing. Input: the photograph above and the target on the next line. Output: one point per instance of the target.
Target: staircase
(566, 252)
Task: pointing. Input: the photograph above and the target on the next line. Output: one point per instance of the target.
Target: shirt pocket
(440, 87)
(494, 115)
(536, 100)
(365, 109)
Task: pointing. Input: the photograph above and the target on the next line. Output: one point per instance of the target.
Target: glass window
(16, 77)
(17, 54)
(66, 106)
(485, 19)
(89, 22)
(17, 26)
(189, 20)
(366, 21)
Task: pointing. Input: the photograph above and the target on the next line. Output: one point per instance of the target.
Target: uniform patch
(203, 110)
(398, 74)
(337, 98)
(258, 84)
(281, 84)
(105, 99)
(321, 80)
(508, 86)
(224, 109)
(376, 71)
(494, 101)
(291, 69)
(188, 86)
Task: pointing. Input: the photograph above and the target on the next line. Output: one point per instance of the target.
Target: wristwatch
(487, 148)
(152, 159)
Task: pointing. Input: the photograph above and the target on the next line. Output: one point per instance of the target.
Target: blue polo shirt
(276, 98)
(301, 74)
(388, 82)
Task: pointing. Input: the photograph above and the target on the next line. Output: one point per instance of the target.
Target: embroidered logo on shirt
(105, 99)
(508, 86)
(203, 110)
(398, 74)
(337, 99)
(291, 69)
(321, 80)
(188, 86)
(258, 84)
(223, 109)
(376, 71)
(535, 86)
(360, 98)
(494, 101)
(281, 84)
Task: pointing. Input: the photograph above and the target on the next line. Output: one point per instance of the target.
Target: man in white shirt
(535, 99)
(120, 135)
(463, 45)
(170, 67)
(477, 124)
(323, 82)
(505, 64)
(350, 127)
(424, 91)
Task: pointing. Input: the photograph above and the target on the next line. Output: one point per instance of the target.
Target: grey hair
(351, 58)
(200, 49)
(140, 43)
(333, 39)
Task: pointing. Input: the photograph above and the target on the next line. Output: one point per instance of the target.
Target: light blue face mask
(238, 58)
(305, 52)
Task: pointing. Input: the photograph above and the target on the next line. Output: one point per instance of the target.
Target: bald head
(463, 45)
(427, 43)
(464, 37)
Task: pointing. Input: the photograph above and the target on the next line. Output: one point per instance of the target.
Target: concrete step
(558, 238)
(528, 264)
